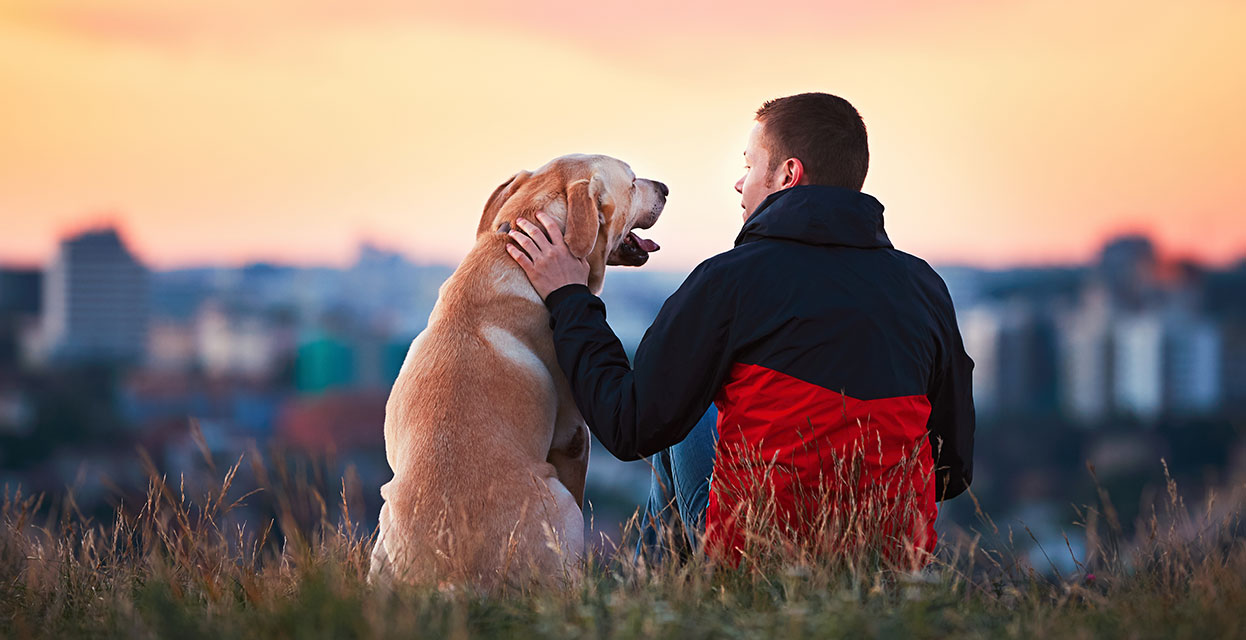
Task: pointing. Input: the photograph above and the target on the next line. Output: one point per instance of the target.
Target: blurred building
(171, 345)
(1128, 271)
(964, 284)
(394, 295)
(1194, 353)
(20, 303)
(1086, 360)
(20, 291)
(1015, 358)
(1167, 364)
(154, 400)
(338, 421)
(15, 411)
(980, 328)
(242, 343)
(1138, 366)
(1233, 369)
(95, 301)
(324, 362)
(328, 360)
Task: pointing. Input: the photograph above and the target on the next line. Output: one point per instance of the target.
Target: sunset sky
(235, 130)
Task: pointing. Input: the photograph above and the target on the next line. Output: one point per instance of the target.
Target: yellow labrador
(488, 450)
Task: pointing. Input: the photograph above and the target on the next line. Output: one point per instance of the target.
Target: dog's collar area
(505, 227)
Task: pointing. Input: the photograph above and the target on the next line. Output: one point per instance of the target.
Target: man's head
(810, 138)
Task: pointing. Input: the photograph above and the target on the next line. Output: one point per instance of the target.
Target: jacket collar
(819, 215)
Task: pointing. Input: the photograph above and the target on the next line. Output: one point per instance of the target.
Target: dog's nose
(662, 188)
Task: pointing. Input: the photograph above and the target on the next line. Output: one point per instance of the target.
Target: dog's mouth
(633, 251)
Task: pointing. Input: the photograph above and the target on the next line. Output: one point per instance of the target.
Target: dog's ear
(586, 209)
(494, 204)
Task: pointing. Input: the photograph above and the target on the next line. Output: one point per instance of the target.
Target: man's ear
(586, 209)
(793, 173)
(494, 204)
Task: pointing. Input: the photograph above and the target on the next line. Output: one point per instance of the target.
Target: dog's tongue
(648, 246)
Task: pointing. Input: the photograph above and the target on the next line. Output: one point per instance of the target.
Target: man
(842, 386)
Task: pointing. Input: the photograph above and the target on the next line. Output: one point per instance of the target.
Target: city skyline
(1128, 334)
(1016, 133)
(357, 251)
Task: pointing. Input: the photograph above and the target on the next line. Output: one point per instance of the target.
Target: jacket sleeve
(679, 365)
(951, 411)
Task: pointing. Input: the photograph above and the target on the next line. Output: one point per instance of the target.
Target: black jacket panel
(813, 289)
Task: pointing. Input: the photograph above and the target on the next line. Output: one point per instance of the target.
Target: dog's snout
(662, 188)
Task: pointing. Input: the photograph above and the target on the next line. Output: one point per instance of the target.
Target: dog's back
(468, 428)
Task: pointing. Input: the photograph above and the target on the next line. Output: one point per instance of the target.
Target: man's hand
(547, 260)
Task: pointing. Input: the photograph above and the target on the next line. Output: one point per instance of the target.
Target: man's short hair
(823, 131)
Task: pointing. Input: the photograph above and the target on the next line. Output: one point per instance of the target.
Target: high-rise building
(1194, 350)
(1015, 358)
(980, 329)
(1127, 269)
(95, 301)
(1139, 366)
(1233, 369)
(19, 291)
(1086, 372)
(19, 307)
(1168, 363)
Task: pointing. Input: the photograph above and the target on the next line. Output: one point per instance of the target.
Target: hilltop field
(177, 566)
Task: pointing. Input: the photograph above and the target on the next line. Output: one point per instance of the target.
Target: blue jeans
(679, 491)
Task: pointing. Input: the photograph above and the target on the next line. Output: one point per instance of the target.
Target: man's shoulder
(727, 262)
(718, 275)
(916, 264)
(926, 276)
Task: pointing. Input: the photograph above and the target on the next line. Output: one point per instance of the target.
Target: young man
(834, 360)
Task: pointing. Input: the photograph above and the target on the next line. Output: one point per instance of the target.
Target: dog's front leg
(569, 455)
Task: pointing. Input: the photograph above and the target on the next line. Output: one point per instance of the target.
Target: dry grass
(180, 566)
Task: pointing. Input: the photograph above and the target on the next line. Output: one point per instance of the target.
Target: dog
(488, 450)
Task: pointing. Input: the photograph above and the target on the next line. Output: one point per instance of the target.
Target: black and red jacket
(816, 340)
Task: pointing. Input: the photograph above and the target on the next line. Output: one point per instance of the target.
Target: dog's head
(598, 200)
